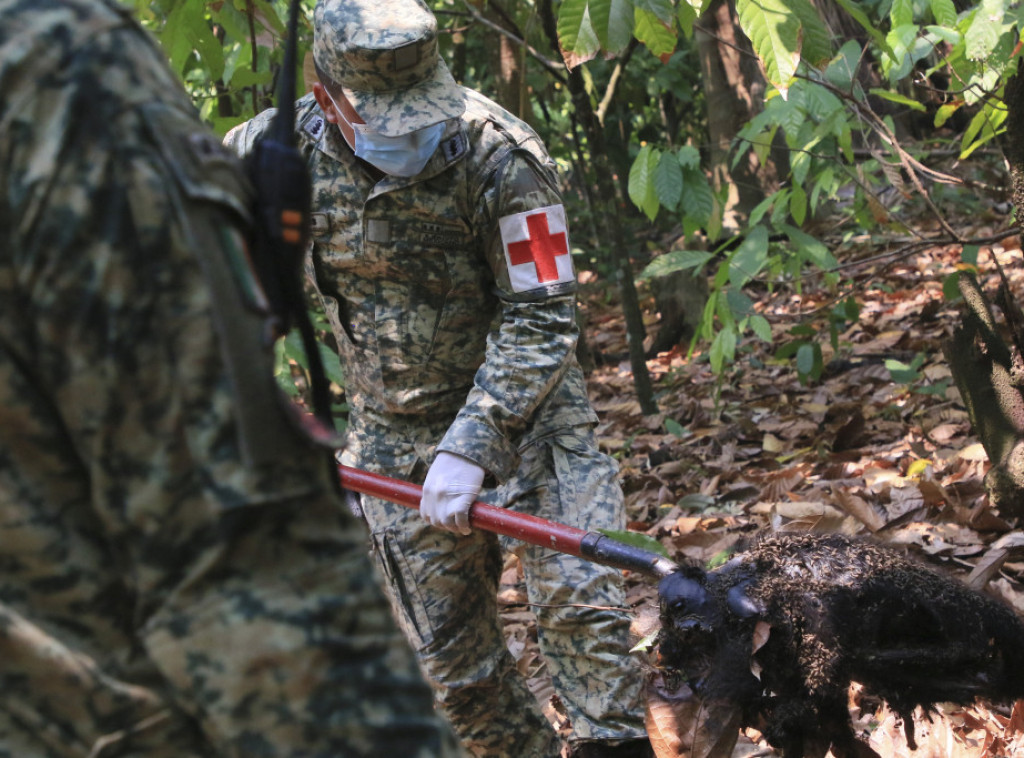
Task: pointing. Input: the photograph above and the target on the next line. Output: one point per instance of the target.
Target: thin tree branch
(555, 68)
(613, 80)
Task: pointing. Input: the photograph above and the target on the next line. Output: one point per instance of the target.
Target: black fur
(837, 610)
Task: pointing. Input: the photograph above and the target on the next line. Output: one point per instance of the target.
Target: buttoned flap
(202, 166)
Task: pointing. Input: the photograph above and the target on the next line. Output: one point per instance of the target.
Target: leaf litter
(855, 452)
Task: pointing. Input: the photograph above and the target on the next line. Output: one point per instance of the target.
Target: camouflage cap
(383, 55)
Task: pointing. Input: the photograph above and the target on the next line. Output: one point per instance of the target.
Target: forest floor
(855, 452)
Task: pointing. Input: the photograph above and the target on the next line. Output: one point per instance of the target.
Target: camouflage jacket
(433, 327)
(178, 576)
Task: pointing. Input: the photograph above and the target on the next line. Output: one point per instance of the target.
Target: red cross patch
(536, 245)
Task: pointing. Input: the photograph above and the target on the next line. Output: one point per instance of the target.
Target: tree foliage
(839, 104)
(841, 146)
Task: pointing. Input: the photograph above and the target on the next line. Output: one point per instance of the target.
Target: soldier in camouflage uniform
(441, 256)
(177, 577)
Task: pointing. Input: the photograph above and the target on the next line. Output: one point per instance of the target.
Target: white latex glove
(452, 484)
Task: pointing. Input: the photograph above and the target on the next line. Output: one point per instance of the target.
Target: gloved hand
(452, 484)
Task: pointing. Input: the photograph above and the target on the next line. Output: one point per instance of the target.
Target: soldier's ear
(326, 104)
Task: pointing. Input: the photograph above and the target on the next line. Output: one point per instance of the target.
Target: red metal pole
(520, 526)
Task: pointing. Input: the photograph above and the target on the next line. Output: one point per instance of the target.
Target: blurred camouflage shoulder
(39, 39)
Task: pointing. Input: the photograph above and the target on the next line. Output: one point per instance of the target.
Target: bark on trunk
(507, 64)
(607, 199)
(734, 87)
(989, 372)
(985, 356)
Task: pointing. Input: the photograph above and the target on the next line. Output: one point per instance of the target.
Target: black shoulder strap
(284, 196)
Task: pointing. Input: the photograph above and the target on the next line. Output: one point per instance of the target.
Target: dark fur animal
(837, 610)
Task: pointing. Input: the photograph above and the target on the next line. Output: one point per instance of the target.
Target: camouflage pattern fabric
(386, 55)
(441, 352)
(445, 600)
(167, 587)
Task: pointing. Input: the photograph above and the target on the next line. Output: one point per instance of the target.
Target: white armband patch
(536, 244)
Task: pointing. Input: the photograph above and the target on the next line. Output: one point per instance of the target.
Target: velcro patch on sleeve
(536, 244)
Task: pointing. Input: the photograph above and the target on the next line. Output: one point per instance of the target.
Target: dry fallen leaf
(682, 725)
(860, 509)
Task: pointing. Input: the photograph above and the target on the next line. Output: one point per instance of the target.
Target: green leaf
(851, 309)
(283, 371)
(902, 12)
(575, 32)
(332, 365)
(783, 32)
(899, 62)
(945, 112)
(775, 34)
(720, 558)
(676, 260)
(697, 200)
(267, 16)
(668, 181)
(788, 350)
(686, 16)
(739, 303)
(725, 314)
(857, 14)
(612, 21)
(749, 257)
(808, 360)
(652, 31)
(896, 97)
(696, 502)
(842, 71)
(811, 249)
(235, 22)
(951, 287)
(952, 37)
(982, 36)
(174, 36)
(674, 428)
(760, 326)
(901, 373)
(688, 157)
(620, 25)
(641, 181)
(663, 10)
(635, 539)
(944, 12)
(723, 350)
(707, 318)
(223, 125)
(817, 40)
(798, 204)
(985, 125)
(246, 77)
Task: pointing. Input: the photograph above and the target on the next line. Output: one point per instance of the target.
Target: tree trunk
(988, 374)
(734, 86)
(1014, 141)
(988, 369)
(506, 61)
(607, 199)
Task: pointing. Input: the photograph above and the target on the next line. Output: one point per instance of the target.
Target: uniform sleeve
(241, 139)
(533, 344)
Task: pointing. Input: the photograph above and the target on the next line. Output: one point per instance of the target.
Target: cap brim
(402, 111)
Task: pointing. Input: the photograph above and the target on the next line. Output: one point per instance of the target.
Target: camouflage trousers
(444, 586)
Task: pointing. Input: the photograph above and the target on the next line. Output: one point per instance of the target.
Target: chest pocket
(429, 274)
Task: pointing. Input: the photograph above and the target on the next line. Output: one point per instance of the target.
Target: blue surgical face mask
(405, 155)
